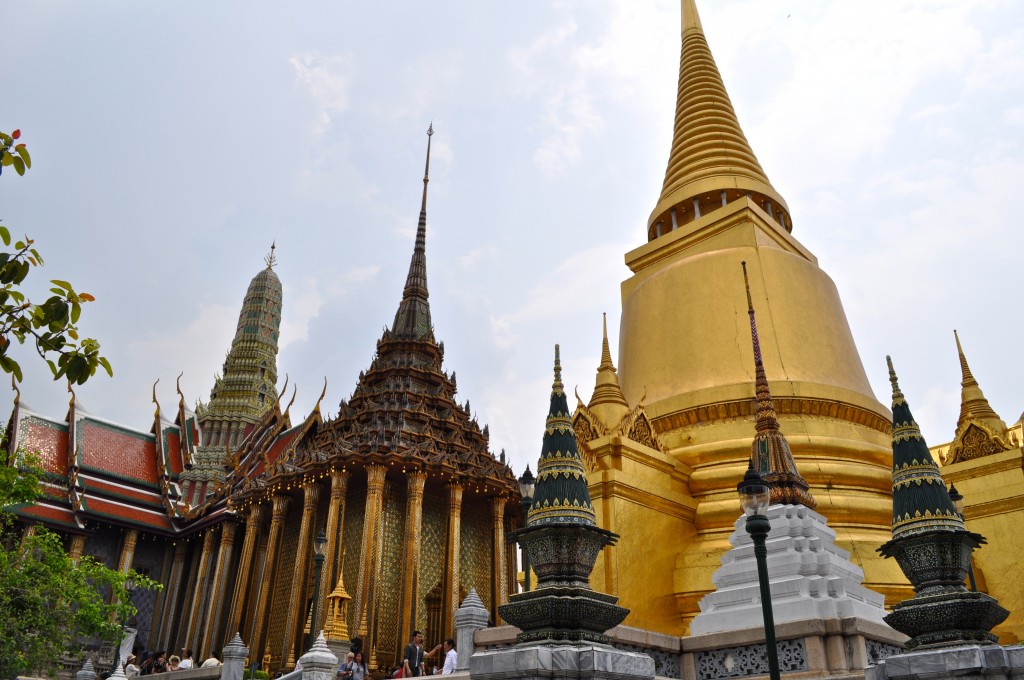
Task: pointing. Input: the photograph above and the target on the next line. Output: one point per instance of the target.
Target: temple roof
(920, 501)
(769, 452)
(607, 401)
(561, 495)
(710, 154)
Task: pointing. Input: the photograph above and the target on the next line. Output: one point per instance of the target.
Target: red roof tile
(119, 452)
(101, 508)
(48, 441)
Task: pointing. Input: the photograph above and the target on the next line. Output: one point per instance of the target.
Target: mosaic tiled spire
(920, 501)
(412, 320)
(561, 495)
(769, 452)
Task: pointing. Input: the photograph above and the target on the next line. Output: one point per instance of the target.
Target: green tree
(51, 326)
(49, 603)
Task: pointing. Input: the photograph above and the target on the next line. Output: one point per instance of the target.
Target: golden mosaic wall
(435, 535)
(476, 559)
(388, 591)
(283, 581)
(351, 539)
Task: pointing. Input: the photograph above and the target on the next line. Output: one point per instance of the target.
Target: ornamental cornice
(707, 414)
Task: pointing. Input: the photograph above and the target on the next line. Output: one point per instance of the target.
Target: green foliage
(49, 604)
(259, 675)
(51, 325)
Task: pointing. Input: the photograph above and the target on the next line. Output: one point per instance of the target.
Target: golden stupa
(684, 369)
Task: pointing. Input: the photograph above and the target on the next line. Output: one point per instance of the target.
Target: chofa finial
(271, 259)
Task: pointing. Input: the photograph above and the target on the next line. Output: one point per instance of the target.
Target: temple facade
(221, 504)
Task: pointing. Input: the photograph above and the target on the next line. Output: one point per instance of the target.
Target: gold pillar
(300, 575)
(414, 525)
(218, 592)
(451, 602)
(498, 567)
(374, 497)
(160, 606)
(278, 512)
(195, 622)
(335, 521)
(76, 547)
(259, 568)
(124, 563)
(252, 537)
(172, 592)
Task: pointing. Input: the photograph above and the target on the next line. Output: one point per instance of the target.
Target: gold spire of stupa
(973, 404)
(711, 162)
(607, 401)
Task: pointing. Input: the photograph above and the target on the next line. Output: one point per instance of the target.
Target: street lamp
(129, 587)
(754, 499)
(958, 505)
(319, 554)
(527, 483)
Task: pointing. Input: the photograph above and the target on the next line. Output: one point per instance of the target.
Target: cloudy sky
(174, 141)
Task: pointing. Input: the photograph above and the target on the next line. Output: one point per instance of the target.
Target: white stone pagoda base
(810, 576)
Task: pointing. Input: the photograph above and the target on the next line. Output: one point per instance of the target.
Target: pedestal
(546, 661)
(964, 663)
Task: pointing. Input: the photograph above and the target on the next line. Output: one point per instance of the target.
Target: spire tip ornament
(271, 258)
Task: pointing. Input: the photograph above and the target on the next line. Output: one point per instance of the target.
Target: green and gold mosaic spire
(561, 495)
(247, 388)
(412, 320)
(920, 502)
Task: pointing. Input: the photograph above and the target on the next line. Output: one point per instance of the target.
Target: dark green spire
(561, 495)
(920, 501)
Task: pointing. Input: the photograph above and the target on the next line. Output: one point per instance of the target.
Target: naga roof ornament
(920, 501)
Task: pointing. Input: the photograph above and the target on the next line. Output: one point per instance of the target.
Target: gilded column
(335, 521)
(252, 591)
(414, 525)
(172, 593)
(498, 568)
(76, 547)
(219, 590)
(277, 515)
(196, 620)
(300, 575)
(124, 562)
(157, 630)
(454, 553)
(374, 497)
(252, 537)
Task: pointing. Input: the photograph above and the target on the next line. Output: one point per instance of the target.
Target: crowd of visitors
(153, 663)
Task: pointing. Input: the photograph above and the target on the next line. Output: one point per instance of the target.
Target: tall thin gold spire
(412, 320)
(973, 404)
(607, 402)
(769, 452)
(711, 162)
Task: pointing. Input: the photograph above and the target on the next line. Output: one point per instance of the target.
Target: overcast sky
(174, 141)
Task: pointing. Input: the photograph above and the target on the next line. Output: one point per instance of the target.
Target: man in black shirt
(413, 658)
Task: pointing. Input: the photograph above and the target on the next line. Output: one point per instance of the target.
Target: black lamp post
(754, 499)
(958, 505)
(319, 554)
(527, 483)
(129, 588)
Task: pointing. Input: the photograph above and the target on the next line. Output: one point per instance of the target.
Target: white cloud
(328, 78)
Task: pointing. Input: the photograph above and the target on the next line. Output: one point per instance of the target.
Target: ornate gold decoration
(277, 517)
(252, 535)
(310, 496)
(335, 626)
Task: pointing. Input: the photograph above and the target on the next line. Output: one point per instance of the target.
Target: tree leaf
(5, 235)
(19, 165)
(23, 152)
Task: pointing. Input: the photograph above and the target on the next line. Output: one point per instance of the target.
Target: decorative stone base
(810, 576)
(543, 662)
(945, 619)
(966, 663)
(807, 649)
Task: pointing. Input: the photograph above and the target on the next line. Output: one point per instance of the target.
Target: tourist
(412, 660)
(450, 657)
(212, 662)
(159, 664)
(130, 669)
(174, 663)
(344, 671)
(186, 659)
(357, 668)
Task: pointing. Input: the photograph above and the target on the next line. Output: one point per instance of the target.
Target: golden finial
(897, 395)
(323, 393)
(181, 395)
(557, 386)
(156, 414)
(17, 392)
(967, 378)
(288, 408)
(606, 353)
(691, 19)
(271, 258)
(766, 418)
(71, 390)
